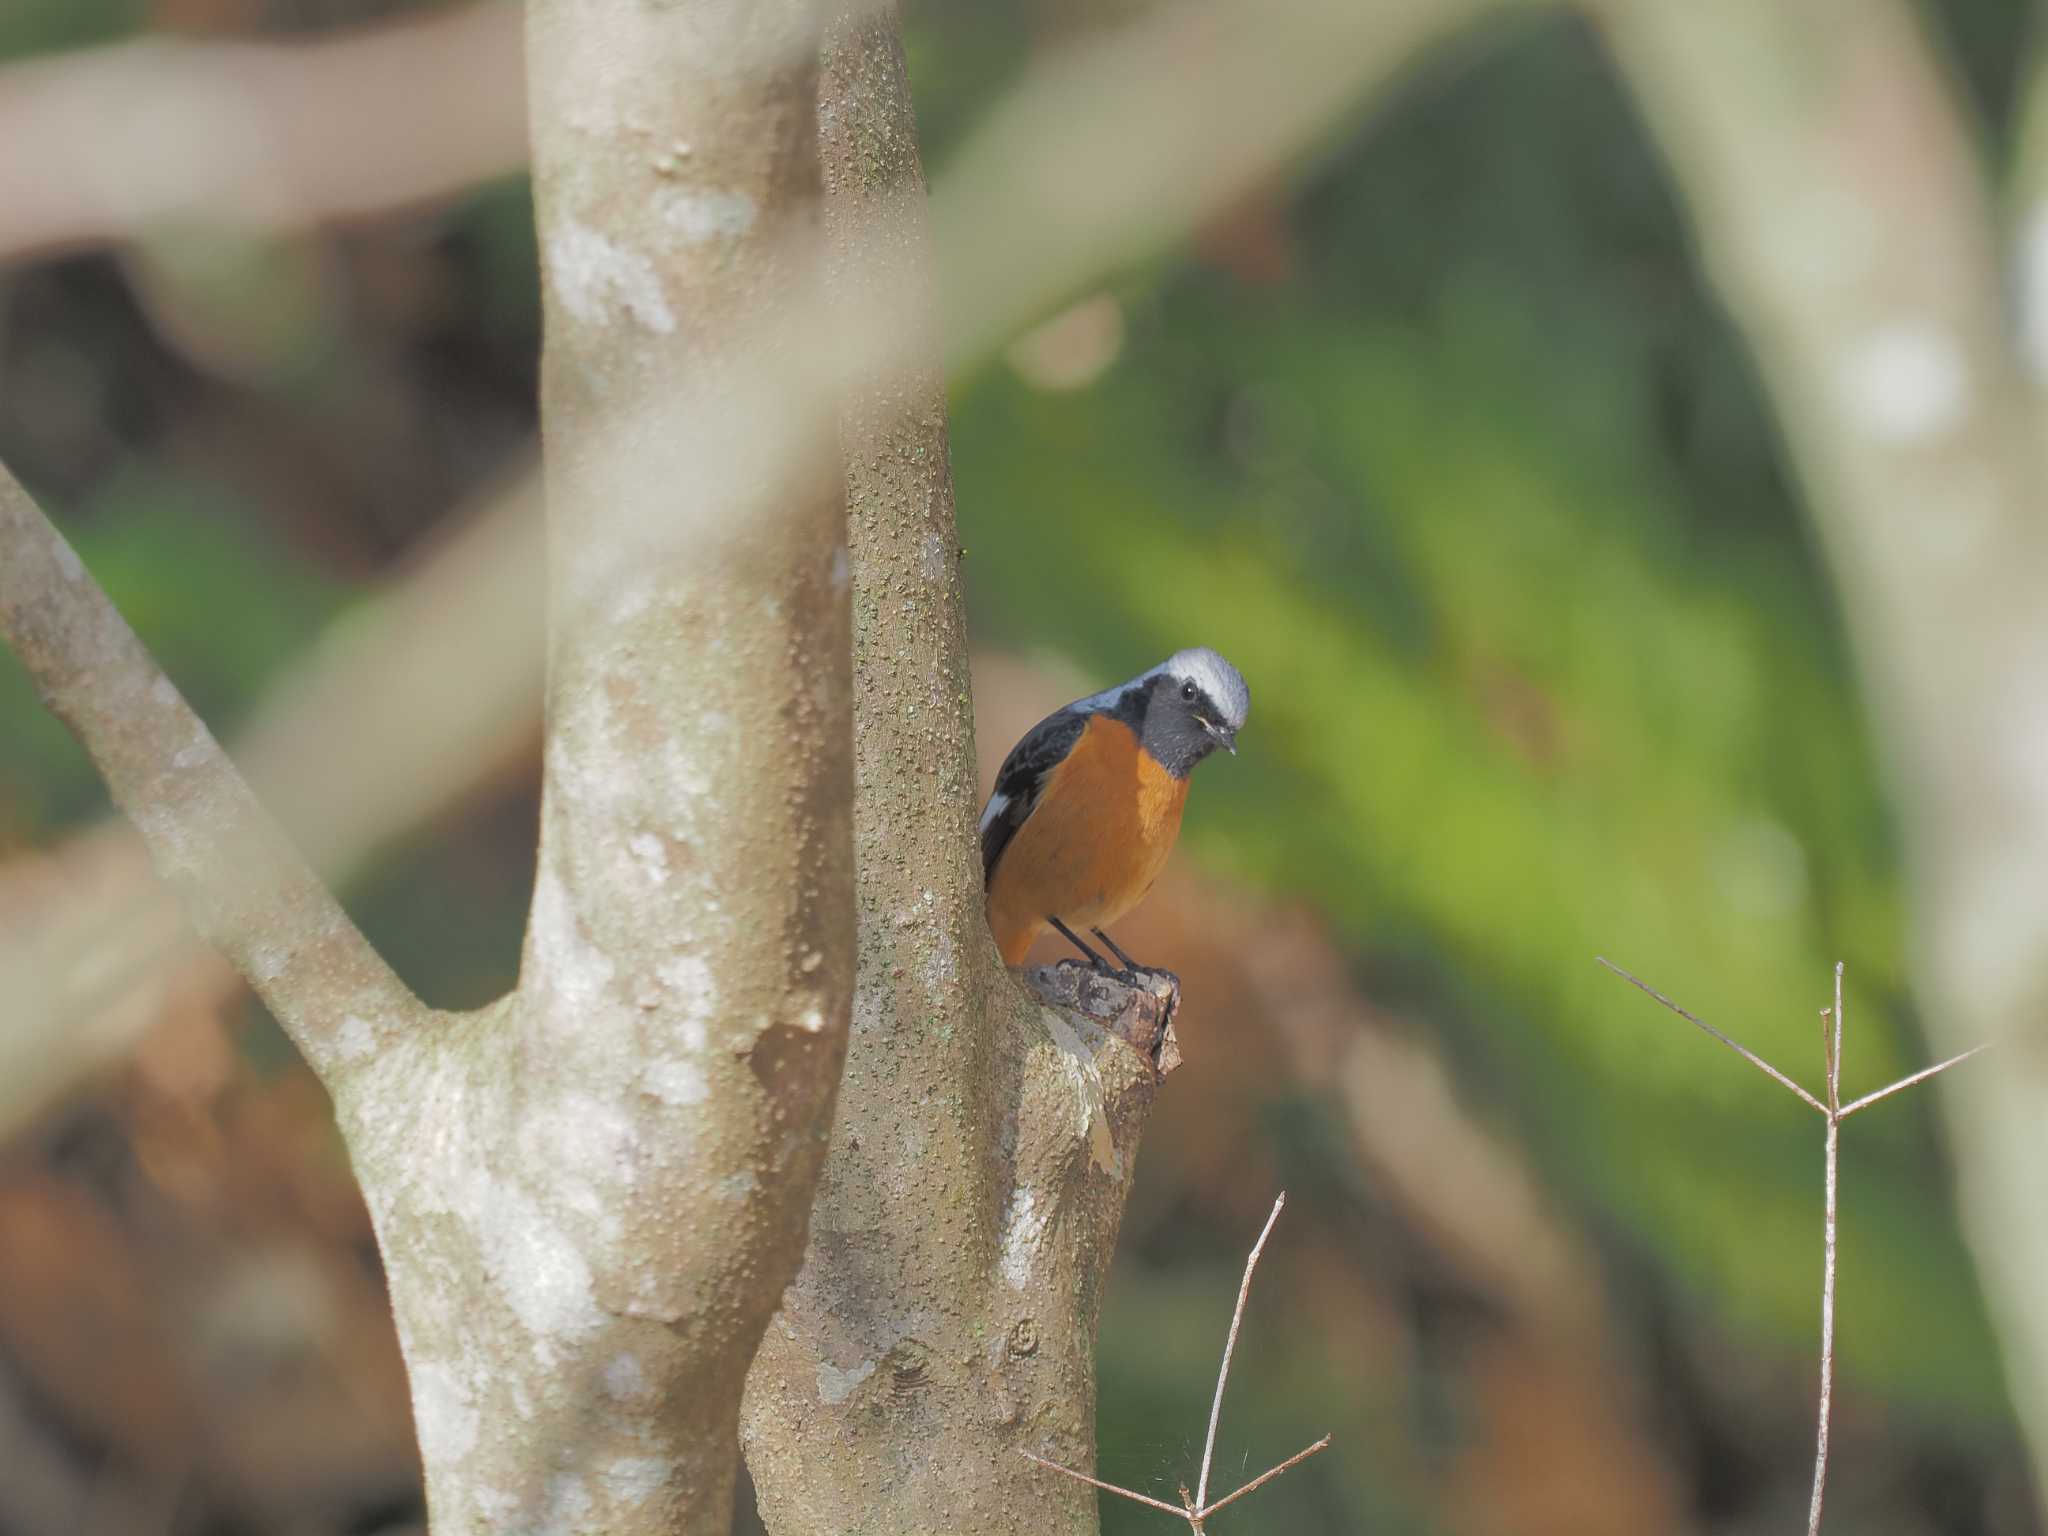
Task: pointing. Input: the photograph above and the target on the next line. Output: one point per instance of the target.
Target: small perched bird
(1087, 806)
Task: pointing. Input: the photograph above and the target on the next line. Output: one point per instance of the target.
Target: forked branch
(1834, 1111)
(1196, 1508)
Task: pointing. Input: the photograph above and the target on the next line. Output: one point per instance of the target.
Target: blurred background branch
(1843, 207)
(1197, 103)
(121, 142)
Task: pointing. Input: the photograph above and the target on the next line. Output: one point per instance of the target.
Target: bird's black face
(1180, 724)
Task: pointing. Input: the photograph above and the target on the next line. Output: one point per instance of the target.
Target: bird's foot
(1132, 974)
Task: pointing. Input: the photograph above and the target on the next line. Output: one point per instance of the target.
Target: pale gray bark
(945, 1317)
(1842, 209)
(409, 704)
(590, 1195)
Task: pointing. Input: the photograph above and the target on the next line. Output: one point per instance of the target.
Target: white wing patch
(991, 812)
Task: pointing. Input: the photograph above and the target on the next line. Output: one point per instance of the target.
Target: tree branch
(421, 693)
(245, 888)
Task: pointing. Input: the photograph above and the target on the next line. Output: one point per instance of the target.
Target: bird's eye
(1187, 691)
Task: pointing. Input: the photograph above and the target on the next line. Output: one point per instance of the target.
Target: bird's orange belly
(1093, 846)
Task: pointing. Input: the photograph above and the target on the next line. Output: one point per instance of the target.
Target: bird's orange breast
(1094, 843)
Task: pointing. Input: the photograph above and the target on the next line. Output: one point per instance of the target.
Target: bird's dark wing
(1021, 780)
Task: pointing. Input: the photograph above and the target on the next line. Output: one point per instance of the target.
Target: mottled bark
(590, 1196)
(1842, 209)
(945, 1317)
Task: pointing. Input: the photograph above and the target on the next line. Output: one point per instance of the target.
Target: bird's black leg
(1131, 967)
(1074, 939)
(1134, 973)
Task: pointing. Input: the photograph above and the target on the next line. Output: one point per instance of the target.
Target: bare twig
(1244, 1291)
(1268, 1475)
(1691, 1018)
(1834, 1017)
(1827, 1331)
(1908, 1082)
(1195, 1507)
(1096, 1482)
(1835, 1112)
(1831, 1043)
(246, 888)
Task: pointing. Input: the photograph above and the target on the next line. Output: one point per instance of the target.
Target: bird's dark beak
(1226, 739)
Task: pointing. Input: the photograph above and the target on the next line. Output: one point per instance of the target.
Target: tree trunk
(945, 1317)
(589, 1196)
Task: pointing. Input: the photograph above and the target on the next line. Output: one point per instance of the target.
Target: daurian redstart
(1087, 806)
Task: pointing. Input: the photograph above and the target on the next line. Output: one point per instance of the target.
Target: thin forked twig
(1692, 1018)
(1195, 1508)
(1834, 1111)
